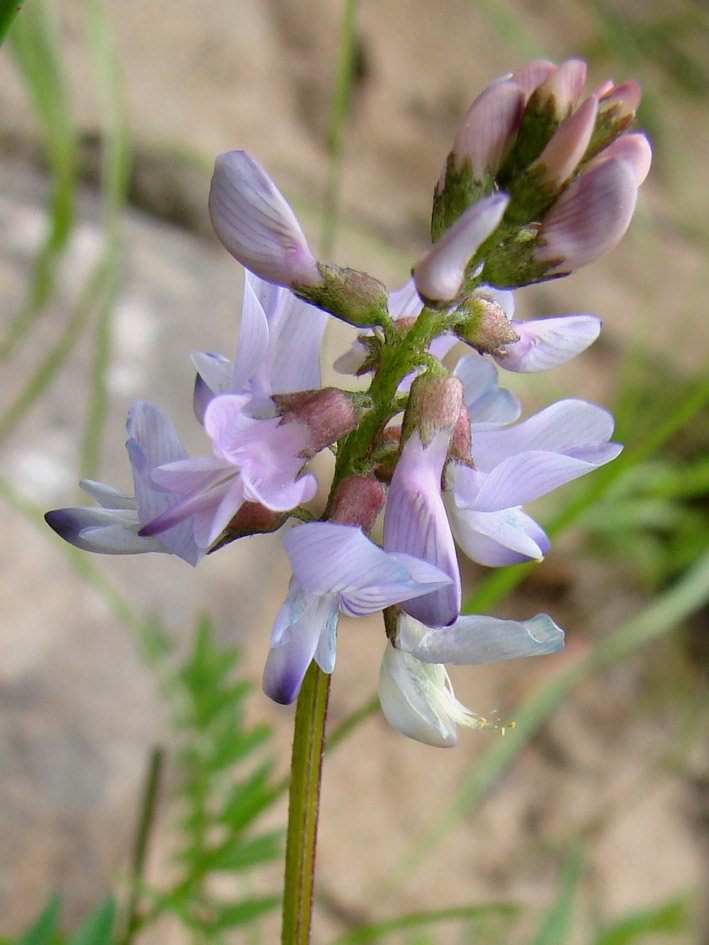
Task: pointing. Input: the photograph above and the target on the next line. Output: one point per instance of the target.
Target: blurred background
(587, 824)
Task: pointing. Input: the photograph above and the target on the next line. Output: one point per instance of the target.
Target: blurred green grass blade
(688, 595)
(8, 11)
(503, 580)
(671, 918)
(35, 43)
(145, 634)
(43, 929)
(341, 96)
(507, 23)
(54, 359)
(557, 924)
(414, 920)
(97, 929)
(115, 166)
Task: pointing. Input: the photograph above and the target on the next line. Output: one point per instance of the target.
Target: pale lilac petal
(205, 498)
(634, 149)
(589, 218)
(270, 463)
(229, 505)
(215, 370)
(409, 696)
(405, 302)
(300, 333)
(476, 639)
(567, 145)
(353, 359)
(488, 405)
(102, 531)
(185, 475)
(564, 85)
(154, 434)
(253, 338)
(107, 496)
(416, 523)
(489, 128)
(496, 539)
(256, 224)
(439, 274)
(227, 426)
(330, 558)
(532, 75)
(310, 630)
(545, 343)
(532, 473)
(152, 442)
(564, 426)
(505, 298)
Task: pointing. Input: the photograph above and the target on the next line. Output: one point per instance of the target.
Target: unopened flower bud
(561, 90)
(488, 129)
(358, 500)
(459, 449)
(529, 77)
(328, 414)
(633, 148)
(354, 297)
(484, 325)
(433, 407)
(567, 146)
(589, 218)
(549, 105)
(616, 109)
(440, 274)
(251, 519)
(255, 223)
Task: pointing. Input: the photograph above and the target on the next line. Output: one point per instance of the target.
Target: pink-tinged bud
(529, 77)
(440, 274)
(488, 129)
(255, 223)
(625, 96)
(634, 149)
(358, 500)
(567, 145)
(604, 89)
(328, 413)
(589, 218)
(484, 325)
(562, 89)
(434, 405)
(459, 449)
(251, 519)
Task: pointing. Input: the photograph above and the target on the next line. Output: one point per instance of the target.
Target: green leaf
(668, 919)
(374, 932)
(41, 932)
(556, 926)
(242, 913)
(247, 799)
(237, 854)
(98, 927)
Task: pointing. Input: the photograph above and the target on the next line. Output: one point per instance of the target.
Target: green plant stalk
(303, 806)
(342, 90)
(145, 824)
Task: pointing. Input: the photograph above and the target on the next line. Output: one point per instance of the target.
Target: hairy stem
(304, 805)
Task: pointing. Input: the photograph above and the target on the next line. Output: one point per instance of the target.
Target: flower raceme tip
(539, 181)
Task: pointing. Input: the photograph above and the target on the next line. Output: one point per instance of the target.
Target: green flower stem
(396, 362)
(303, 806)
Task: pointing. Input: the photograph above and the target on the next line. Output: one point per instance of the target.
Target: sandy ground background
(78, 709)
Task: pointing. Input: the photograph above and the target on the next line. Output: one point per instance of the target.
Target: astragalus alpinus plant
(537, 183)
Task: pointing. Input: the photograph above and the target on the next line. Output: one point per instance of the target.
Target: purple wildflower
(336, 568)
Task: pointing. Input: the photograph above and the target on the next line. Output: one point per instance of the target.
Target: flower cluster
(536, 184)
